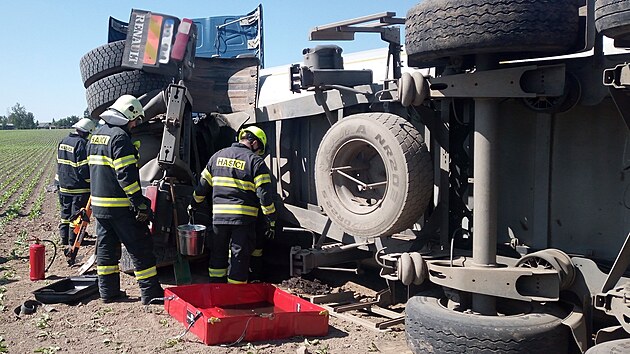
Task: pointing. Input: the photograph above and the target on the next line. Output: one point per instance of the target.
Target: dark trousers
(256, 262)
(138, 242)
(239, 241)
(69, 204)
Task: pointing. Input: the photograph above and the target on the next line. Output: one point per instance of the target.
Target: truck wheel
(373, 174)
(437, 29)
(431, 327)
(612, 17)
(101, 62)
(105, 91)
(613, 346)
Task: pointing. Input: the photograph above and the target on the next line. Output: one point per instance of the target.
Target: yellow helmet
(259, 134)
(129, 107)
(85, 125)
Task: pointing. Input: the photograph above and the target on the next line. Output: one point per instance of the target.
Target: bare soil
(130, 327)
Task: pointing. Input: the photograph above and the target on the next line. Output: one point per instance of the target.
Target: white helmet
(85, 125)
(126, 108)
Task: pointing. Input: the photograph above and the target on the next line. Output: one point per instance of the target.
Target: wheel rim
(552, 259)
(359, 176)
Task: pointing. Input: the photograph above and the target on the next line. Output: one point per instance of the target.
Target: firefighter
(239, 183)
(73, 177)
(121, 211)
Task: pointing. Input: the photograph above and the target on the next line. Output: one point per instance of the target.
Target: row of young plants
(31, 163)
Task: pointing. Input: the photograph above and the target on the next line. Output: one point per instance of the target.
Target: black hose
(54, 254)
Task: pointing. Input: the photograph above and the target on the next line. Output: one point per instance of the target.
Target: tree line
(22, 119)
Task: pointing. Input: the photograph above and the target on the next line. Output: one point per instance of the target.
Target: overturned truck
(487, 177)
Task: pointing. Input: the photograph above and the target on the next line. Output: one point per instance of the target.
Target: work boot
(109, 286)
(150, 289)
(115, 298)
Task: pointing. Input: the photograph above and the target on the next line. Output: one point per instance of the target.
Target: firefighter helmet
(129, 106)
(85, 125)
(259, 134)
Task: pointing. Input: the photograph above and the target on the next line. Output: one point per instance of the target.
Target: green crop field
(27, 166)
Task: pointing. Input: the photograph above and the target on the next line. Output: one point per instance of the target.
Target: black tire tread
(105, 91)
(101, 62)
(442, 28)
(430, 330)
(612, 17)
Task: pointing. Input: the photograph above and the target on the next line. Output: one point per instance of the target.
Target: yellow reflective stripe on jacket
(110, 202)
(234, 209)
(233, 182)
(217, 273)
(74, 191)
(107, 270)
(205, 174)
(146, 273)
(64, 221)
(262, 179)
(198, 198)
(100, 160)
(125, 161)
(71, 163)
(232, 281)
(258, 252)
(268, 209)
(132, 188)
(87, 180)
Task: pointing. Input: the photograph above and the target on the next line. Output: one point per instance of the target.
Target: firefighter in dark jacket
(73, 176)
(239, 183)
(121, 211)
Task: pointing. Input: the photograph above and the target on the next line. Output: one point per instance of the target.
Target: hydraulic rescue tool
(80, 224)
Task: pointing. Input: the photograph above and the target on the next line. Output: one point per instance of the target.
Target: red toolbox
(223, 313)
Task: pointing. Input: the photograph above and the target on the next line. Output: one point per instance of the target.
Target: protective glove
(271, 231)
(144, 213)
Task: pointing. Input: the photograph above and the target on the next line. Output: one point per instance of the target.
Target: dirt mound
(298, 285)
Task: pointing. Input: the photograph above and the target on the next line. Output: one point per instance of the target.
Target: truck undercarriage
(492, 185)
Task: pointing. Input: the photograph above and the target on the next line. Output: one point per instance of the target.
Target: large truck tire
(101, 62)
(431, 327)
(612, 17)
(105, 91)
(380, 149)
(438, 29)
(612, 347)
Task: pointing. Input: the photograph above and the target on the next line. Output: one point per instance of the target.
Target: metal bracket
(525, 284)
(178, 98)
(524, 81)
(345, 30)
(303, 261)
(616, 303)
(617, 77)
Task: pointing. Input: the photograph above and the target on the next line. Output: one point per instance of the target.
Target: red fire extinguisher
(37, 259)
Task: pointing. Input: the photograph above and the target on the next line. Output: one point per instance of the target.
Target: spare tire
(438, 29)
(432, 327)
(612, 17)
(101, 62)
(373, 174)
(105, 91)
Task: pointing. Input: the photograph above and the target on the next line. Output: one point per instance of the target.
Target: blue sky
(43, 41)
